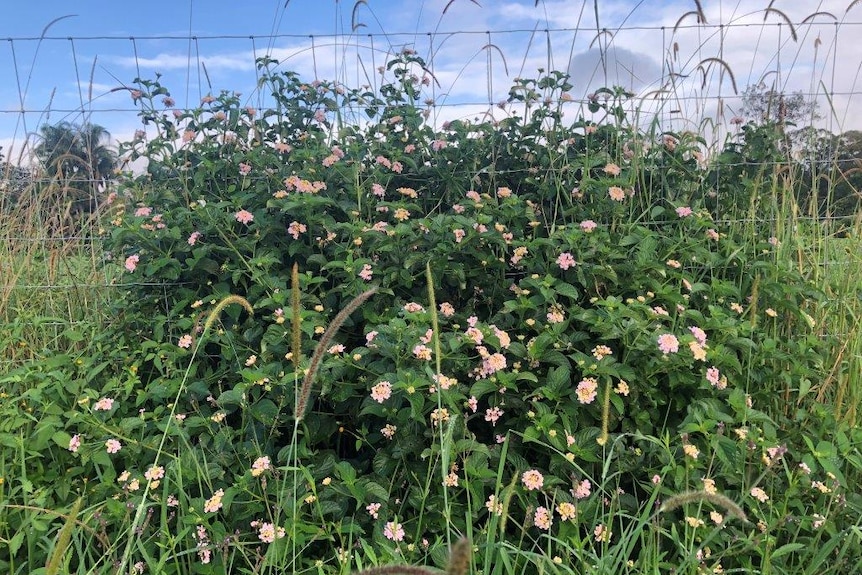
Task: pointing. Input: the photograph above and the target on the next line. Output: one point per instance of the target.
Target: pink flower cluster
(491, 363)
(565, 260)
(267, 532)
(260, 465)
(587, 390)
(668, 343)
(214, 503)
(386, 163)
(714, 377)
(335, 155)
(543, 518)
(393, 531)
(588, 226)
(294, 182)
(203, 544)
(532, 480)
(422, 352)
(616, 193)
(381, 391)
(244, 217)
(104, 404)
(582, 490)
(295, 229)
(699, 334)
(132, 262)
(493, 414)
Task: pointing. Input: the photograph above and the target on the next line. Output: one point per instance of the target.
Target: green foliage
(603, 341)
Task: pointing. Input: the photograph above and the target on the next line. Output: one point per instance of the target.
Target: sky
(76, 61)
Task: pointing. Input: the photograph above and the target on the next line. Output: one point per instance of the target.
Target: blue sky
(51, 79)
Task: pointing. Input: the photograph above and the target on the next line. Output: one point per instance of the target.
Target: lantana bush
(348, 338)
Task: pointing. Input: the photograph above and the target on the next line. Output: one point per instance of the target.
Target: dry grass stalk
(295, 320)
(459, 564)
(63, 540)
(459, 558)
(435, 324)
(216, 312)
(715, 498)
(606, 415)
(320, 350)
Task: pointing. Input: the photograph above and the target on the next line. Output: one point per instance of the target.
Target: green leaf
(73, 335)
(787, 549)
(345, 472)
(567, 290)
(377, 491)
(230, 398)
(15, 543)
(265, 411)
(559, 379)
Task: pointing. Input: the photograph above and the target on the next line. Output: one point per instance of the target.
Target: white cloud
(167, 61)
(15, 151)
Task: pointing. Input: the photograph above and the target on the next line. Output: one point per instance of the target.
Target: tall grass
(54, 286)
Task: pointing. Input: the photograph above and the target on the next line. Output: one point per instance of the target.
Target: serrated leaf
(376, 490)
(331, 508)
(567, 290)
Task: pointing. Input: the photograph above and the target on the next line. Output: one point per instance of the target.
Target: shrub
(562, 336)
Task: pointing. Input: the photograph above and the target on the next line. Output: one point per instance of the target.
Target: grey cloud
(619, 67)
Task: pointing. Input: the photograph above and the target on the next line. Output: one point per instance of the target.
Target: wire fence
(686, 70)
(683, 73)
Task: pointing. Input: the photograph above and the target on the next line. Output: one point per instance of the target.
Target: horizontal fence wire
(321, 46)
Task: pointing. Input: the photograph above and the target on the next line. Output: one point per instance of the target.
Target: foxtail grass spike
(701, 15)
(508, 492)
(706, 62)
(435, 325)
(295, 320)
(396, 570)
(216, 312)
(754, 294)
(459, 564)
(715, 498)
(770, 10)
(63, 540)
(606, 415)
(694, 13)
(459, 558)
(320, 350)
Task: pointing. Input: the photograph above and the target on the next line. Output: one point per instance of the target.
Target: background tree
(14, 180)
(77, 160)
(842, 189)
(791, 114)
(829, 165)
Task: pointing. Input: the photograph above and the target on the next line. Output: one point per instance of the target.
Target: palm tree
(78, 159)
